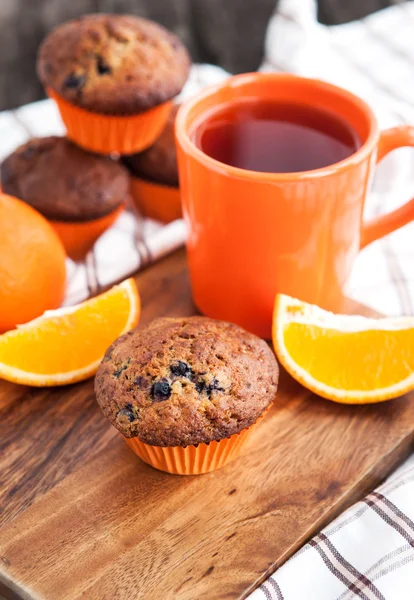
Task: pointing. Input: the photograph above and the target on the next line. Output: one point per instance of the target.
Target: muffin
(81, 194)
(154, 181)
(185, 392)
(159, 162)
(113, 77)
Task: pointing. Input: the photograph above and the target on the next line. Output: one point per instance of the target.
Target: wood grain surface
(82, 517)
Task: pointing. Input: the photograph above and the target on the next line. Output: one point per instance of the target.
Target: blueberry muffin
(159, 162)
(113, 64)
(186, 381)
(63, 182)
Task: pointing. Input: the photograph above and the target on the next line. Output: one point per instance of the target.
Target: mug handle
(390, 139)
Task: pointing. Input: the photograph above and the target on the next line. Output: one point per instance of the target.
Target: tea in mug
(275, 137)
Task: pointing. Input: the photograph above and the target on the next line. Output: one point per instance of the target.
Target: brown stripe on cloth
(339, 568)
(390, 516)
(395, 509)
(275, 586)
(353, 514)
(265, 591)
(394, 566)
(376, 574)
(358, 576)
(91, 274)
(403, 478)
(398, 279)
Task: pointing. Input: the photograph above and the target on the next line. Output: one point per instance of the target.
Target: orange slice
(348, 359)
(67, 345)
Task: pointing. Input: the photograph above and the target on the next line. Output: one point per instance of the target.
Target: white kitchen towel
(368, 552)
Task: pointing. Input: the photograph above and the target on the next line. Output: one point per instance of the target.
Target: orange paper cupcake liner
(79, 237)
(155, 200)
(105, 134)
(192, 460)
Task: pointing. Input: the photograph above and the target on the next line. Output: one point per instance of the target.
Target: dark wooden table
(82, 517)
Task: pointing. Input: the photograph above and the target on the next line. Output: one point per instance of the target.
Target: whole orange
(32, 264)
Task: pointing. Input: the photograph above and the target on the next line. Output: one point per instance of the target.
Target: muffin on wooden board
(154, 181)
(185, 392)
(80, 193)
(113, 77)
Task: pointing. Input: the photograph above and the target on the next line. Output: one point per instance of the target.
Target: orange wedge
(348, 359)
(67, 345)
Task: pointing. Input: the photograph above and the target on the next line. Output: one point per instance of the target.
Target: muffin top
(159, 162)
(64, 182)
(115, 64)
(186, 381)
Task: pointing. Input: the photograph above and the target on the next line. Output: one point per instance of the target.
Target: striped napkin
(368, 552)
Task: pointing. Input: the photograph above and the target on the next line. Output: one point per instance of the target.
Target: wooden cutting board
(82, 517)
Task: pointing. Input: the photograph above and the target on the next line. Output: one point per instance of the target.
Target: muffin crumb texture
(113, 64)
(186, 381)
(64, 182)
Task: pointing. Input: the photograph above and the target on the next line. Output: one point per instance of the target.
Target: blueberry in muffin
(186, 381)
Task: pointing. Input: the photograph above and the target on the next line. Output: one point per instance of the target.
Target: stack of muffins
(113, 78)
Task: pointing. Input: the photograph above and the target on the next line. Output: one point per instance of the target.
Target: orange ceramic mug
(253, 234)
